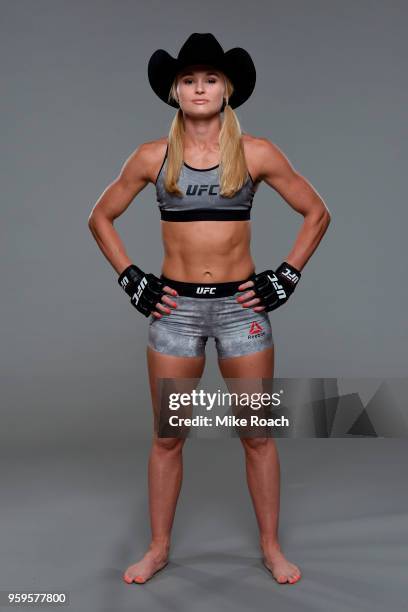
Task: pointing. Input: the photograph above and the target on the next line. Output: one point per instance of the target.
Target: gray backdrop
(331, 93)
(76, 102)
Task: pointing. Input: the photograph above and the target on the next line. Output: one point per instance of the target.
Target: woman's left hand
(245, 298)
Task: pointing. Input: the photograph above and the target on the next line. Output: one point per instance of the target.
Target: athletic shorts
(209, 311)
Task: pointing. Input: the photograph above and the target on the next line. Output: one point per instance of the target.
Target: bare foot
(281, 569)
(140, 572)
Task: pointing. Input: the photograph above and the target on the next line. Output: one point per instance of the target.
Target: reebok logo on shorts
(255, 331)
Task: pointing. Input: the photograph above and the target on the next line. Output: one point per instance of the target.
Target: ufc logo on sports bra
(198, 190)
(206, 290)
(278, 288)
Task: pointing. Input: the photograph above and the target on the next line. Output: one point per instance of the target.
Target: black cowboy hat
(236, 64)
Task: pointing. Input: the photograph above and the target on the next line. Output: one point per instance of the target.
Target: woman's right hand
(166, 304)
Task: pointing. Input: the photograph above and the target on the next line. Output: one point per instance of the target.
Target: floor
(73, 521)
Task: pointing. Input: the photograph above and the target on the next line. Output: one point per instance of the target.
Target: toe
(294, 579)
(140, 579)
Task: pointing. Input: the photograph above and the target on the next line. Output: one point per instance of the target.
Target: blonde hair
(233, 168)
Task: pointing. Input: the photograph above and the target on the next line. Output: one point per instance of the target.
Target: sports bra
(201, 200)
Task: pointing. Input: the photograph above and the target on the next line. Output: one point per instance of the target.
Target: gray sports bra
(201, 200)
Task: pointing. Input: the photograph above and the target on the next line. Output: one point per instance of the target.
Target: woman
(206, 174)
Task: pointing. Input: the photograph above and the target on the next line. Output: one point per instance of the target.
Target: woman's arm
(133, 177)
(276, 170)
(146, 291)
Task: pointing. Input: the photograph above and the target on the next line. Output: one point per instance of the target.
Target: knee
(165, 445)
(255, 444)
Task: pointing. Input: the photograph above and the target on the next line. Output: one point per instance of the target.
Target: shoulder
(261, 153)
(150, 155)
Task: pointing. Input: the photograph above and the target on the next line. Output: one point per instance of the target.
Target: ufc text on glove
(145, 290)
(275, 288)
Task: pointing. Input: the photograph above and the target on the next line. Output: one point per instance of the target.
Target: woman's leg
(165, 469)
(262, 469)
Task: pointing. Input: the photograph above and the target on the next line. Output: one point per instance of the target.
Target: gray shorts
(184, 332)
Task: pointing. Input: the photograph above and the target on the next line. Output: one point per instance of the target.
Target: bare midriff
(207, 251)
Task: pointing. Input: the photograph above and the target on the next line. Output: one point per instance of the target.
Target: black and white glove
(275, 288)
(145, 290)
